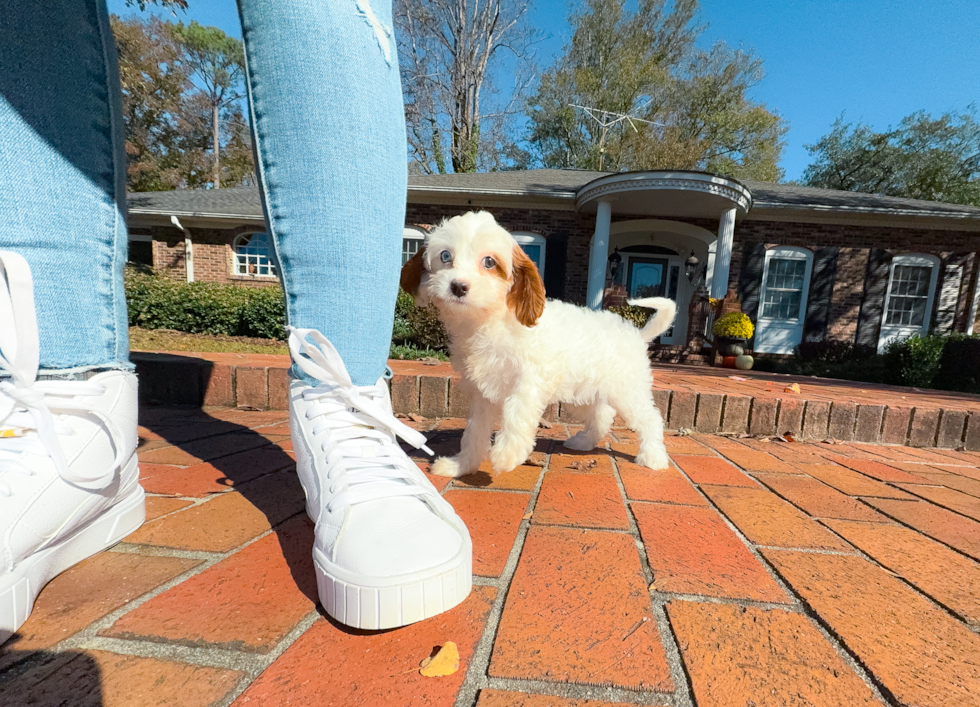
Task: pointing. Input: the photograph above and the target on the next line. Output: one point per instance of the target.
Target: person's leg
(328, 118)
(68, 476)
(329, 126)
(62, 176)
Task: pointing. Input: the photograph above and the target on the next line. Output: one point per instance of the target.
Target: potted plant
(732, 331)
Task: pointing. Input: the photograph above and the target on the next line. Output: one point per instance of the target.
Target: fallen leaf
(445, 662)
(738, 378)
(788, 437)
(582, 466)
(534, 462)
(401, 416)
(544, 425)
(794, 388)
(417, 418)
(527, 516)
(684, 432)
(248, 408)
(831, 440)
(430, 361)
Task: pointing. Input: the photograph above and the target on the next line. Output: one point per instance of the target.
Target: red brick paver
(751, 571)
(578, 612)
(769, 658)
(920, 653)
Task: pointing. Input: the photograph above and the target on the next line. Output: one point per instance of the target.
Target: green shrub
(832, 351)
(913, 361)
(427, 331)
(637, 316)
(959, 367)
(157, 302)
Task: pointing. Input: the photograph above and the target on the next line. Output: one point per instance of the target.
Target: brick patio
(752, 572)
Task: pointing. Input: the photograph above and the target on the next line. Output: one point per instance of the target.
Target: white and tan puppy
(517, 353)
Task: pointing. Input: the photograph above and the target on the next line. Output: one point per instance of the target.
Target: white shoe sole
(19, 588)
(374, 603)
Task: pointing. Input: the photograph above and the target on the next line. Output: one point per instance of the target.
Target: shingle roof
(560, 183)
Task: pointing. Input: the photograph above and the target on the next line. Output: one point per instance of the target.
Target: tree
(631, 91)
(217, 61)
(169, 122)
(937, 159)
(450, 52)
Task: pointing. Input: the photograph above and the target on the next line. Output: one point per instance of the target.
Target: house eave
(865, 216)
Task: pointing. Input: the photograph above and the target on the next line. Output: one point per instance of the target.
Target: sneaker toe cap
(396, 536)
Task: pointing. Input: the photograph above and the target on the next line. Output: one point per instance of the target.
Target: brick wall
(212, 254)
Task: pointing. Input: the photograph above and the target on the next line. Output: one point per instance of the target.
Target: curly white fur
(594, 361)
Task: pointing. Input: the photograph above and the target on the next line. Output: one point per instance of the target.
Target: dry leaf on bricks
(794, 388)
(445, 662)
(582, 465)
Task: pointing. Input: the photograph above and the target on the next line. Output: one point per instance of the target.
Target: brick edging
(187, 380)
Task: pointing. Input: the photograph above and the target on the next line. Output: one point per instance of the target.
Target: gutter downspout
(188, 249)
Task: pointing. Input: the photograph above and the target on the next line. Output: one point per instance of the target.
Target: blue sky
(875, 61)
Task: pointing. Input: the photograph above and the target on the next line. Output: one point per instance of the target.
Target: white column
(598, 256)
(723, 255)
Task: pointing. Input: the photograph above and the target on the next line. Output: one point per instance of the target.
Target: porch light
(691, 267)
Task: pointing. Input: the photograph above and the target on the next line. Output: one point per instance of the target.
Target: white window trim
(234, 257)
(528, 238)
(889, 332)
(787, 253)
(412, 233)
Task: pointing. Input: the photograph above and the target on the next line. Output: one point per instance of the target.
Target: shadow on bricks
(242, 455)
(53, 678)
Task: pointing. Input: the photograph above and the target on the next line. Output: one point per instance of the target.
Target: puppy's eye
(445, 256)
(489, 263)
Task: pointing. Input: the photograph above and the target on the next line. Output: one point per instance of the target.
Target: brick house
(808, 264)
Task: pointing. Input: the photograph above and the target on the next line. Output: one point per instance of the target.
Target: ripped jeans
(327, 117)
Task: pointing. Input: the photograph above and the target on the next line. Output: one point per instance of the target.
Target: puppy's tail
(659, 322)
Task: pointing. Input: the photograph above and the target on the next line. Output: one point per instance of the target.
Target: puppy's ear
(414, 275)
(526, 296)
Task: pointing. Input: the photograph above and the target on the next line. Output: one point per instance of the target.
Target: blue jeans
(326, 111)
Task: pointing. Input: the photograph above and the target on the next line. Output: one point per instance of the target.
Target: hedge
(159, 302)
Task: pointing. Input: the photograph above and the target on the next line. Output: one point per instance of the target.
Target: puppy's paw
(446, 466)
(580, 442)
(508, 454)
(653, 458)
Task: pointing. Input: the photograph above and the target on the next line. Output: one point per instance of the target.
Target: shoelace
(28, 425)
(361, 444)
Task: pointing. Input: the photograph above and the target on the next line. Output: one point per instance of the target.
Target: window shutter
(555, 256)
(750, 278)
(950, 284)
(821, 291)
(873, 302)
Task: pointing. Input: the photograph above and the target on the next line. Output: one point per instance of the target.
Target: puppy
(517, 353)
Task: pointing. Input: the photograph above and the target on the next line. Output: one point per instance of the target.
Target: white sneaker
(68, 477)
(389, 550)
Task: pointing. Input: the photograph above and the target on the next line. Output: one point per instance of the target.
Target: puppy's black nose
(459, 288)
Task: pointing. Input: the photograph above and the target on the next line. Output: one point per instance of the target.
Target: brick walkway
(753, 573)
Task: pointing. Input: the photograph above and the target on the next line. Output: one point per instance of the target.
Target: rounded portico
(648, 247)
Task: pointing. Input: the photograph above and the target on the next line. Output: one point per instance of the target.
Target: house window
(909, 297)
(784, 288)
(534, 246)
(412, 241)
(253, 255)
(140, 250)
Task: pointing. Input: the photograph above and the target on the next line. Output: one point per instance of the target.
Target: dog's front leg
(519, 424)
(476, 441)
